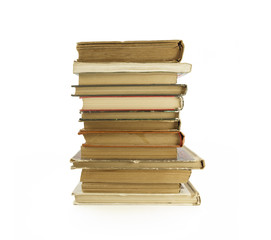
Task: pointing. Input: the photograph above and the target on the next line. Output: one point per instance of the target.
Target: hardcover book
(123, 90)
(113, 67)
(135, 175)
(125, 78)
(135, 103)
(132, 125)
(131, 51)
(185, 159)
(128, 152)
(187, 195)
(133, 138)
(131, 187)
(130, 114)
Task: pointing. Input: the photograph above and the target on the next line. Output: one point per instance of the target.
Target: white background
(226, 118)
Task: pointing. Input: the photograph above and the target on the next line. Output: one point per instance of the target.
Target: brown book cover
(131, 115)
(131, 51)
(132, 125)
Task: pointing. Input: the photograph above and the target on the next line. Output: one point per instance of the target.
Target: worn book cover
(135, 175)
(131, 187)
(135, 103)
(128, 152)
(187, 195)
(129, 114)
(131, 51)
(131, 125)
(186, 158)
(133, 138)
(135, 90)
(125, 78)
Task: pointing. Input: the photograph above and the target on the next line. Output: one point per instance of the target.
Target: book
(113, 67)
(125, 78)
(131, 152)
(185, 159)
(188, 195)
(134, 151)
(135, 175)
(122, 90)
(127, 103)
(131, 187)
(131, 51)
(132, 114)
(129, 125)
(132, 138)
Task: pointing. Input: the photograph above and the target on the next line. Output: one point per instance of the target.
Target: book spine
(181, 102)
(182, 137)
(179, 124)
(181, 50)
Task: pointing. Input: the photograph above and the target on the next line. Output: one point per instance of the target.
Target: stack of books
(134, 150)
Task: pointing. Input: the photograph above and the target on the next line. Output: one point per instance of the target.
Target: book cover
(133, 138)
(131, 51)
(131, 125)
(115, 67)
(186, 158)
(135, 90)
(188, 195)
(135, 103)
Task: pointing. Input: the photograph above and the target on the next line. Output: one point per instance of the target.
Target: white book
(117, 67)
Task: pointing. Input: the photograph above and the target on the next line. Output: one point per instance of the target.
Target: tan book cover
(124, 90)
(128, 152)
(188, 195)
(131, 51)
(135, 175)
(125, 115)
(132, 125)
(125, 78)
(186, 159)
(131, 187)
(132, 138)
(132, 103)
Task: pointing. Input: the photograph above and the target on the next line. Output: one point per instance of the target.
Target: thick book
(135, 175)
(124, 103)
(129, 115)
(113, 67)
(128, 152)
(130, 187)
(131, 125)
(123, 90)
(185, 159)
(187, 195)
(125, 78)
(133, 138)
(131, 51)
